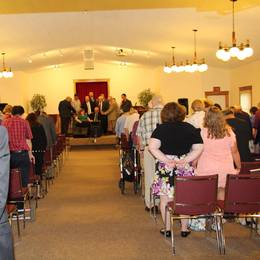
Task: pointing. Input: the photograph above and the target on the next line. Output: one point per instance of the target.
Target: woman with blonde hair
(7, 111)
(220, 149)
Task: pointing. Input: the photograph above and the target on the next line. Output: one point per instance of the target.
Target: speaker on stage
(184, 102)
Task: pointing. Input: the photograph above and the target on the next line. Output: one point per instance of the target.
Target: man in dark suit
(93, 101)
(66, 110)
(6, 242)
(103, 105)
(126, 104)
(86, 105)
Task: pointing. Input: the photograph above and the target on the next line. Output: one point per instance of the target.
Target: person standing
(20, 145)
(87, 106)
(103, 105)
(112, 114)
(6, 241)
(66, 110)
(126, 104)
(93, 101)
(147, 123)
(197, 118)
(76, 103)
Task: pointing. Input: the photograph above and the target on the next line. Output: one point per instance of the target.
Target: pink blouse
(216, 157)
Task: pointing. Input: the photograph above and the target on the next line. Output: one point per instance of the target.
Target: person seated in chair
(96, 116)
(83, 119)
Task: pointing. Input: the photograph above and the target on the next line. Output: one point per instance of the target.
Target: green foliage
(145, 96)
(38, 102)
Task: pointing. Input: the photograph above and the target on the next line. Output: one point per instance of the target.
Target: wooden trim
(93, 80)
(245, 88)
(217, 92)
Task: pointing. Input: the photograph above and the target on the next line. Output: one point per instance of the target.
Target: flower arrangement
(145, 96)
(38, 102)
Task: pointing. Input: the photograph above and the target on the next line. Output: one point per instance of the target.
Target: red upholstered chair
(242, 197)
(17, 194)
(47, 168)
(250, 167)
(35, 181)
(196, 197)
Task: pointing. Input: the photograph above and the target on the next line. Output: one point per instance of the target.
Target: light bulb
(248, 51)
(11, 74)
(194, 67)
(177, 69)
(241, 55)
(173, 68)
(167, 69)
(220, 53)
(234, 51)
(187, 68)
(5, 74)
(225, 56)
(203, 67)
(181, 68)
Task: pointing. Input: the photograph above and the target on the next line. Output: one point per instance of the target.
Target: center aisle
(84, 216)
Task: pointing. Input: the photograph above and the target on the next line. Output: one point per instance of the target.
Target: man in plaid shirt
(146, 126)
(20, 136)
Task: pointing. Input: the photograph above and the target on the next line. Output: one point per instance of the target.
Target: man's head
(91, 94)
(100, 98)
(69, 99)
(87, 98)
(197, 105)
(17, 111)
(228, 113)
(76, 97)
(156, 101)
(96, 109)
(123, 97)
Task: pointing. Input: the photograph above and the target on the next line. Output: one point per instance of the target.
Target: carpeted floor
(84, 216)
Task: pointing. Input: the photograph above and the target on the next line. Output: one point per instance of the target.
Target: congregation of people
(92, 110)
(170, 143)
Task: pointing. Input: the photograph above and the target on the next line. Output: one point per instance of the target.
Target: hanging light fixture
(5, 72)
(187, 66)
(241, 51)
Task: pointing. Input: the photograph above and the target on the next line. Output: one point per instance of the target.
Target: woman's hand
(181, 163)
(171, 163)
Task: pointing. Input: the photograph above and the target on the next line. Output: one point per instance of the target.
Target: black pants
(21, 161)
(104, 123)
(38, 162)
(65, 122)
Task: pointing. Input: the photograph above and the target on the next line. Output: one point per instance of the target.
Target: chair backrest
(32, 175)
(242, 193)
(47, 157)
(250, 167)
(195, 195)
(15, 185)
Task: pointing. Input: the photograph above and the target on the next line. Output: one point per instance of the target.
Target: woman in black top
(39, 142)
(175, 144)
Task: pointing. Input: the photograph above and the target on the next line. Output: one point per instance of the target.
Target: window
(245, 98)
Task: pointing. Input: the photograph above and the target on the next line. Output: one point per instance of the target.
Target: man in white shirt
(197, 118)
(76, 103)
(87, 106)
(132, 117)
(146, 126)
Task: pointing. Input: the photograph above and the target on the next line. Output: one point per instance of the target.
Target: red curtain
(98, 87)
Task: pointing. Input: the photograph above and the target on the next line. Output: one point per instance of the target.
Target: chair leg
(172, 236)
(165, 220)
(215, 221)
(222, 237)
(18, 224)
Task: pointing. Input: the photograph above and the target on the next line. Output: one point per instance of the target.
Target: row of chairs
(19, 204)
(196, 197)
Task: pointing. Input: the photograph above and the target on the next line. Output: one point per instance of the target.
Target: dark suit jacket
(85, 107)
(93, 104)
(4, 172)
(66, 109)
(105, 105)
(92, 116)
(126, 105)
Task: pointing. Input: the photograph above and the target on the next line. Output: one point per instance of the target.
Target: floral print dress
(163, 183)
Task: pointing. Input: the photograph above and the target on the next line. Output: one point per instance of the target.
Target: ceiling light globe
(181, 68)
(220, 53)
(11, 74)
(167, 69)
(234, 51)
(248, 51)
(242, 55)
(5, 74)
(194, 67)
(173, 68)
(203, 67)
(177, 70)
(226, 56)
(187, 68)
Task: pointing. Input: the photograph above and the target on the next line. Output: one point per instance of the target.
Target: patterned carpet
(84, 216)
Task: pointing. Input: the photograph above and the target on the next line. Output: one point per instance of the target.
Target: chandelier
(241, 51)
(5, 72)
(188, 66)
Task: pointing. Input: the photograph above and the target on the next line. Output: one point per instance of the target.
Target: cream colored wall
(13, 90)
(57, 84)
(246, 75)
(192, 85)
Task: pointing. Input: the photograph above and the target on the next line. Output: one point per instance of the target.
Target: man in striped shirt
(146, 126)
